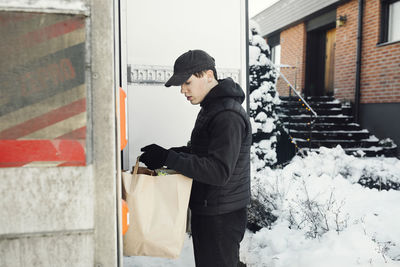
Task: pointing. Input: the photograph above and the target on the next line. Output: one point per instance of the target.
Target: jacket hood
(225, 88)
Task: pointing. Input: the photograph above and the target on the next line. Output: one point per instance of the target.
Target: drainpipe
(247, 57)
(357, 93)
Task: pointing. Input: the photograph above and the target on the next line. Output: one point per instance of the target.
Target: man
(217, 159)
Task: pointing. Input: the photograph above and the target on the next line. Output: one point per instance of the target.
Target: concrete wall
(106, 154)
(66, 216)
(47, 216)
(379, 119)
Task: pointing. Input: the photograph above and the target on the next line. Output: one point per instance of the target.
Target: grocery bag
(158, 212)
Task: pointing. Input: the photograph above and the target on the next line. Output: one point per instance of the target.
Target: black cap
(190, 62)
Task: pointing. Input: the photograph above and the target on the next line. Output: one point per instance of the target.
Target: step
(346, 110)
(333, 143)
(320, 98)
(341, 119)
(365, 151)
(299, 111)
(334, 125)
(309, 98)
(322, 126)
(331, 135)
(372, 151)
(293, 104)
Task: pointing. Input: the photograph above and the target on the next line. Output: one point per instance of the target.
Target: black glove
(154, 156)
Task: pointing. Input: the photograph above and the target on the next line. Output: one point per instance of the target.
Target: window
(394, 22)
(274, 44)
(276, 55)
(390, 21)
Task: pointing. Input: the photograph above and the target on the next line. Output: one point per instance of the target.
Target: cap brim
(177, 79)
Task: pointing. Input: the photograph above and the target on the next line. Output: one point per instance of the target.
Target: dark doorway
(315, 63)
(320, 62)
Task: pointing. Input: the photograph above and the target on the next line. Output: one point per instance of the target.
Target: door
(315, 63)
(330, 45)
(320, 62)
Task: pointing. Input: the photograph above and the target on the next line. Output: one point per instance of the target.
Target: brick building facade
(380, 63)
(293, 52)
(302, 30)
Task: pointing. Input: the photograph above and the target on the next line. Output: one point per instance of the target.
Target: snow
(325, 218)
(336, 101)
(333, 131)
(263, 99)
(359, 226)
(319, 116)
(263, 147)
(262, 94)
(262, 123)
(285, 247)
(258, 40)
(254, 53)
(186, 259)
(372, 138)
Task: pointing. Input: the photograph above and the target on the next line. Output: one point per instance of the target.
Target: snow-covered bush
(264, 201)
(263, 99)
(324, 217)
(316, 214)
(377, 175)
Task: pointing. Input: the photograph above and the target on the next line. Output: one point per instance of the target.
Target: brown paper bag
(157, 213)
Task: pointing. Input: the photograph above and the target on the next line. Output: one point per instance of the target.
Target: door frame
(316, 29)
(315, 71)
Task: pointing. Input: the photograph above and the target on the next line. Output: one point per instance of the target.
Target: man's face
(195, 89)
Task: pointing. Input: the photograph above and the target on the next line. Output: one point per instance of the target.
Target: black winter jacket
(219, 158)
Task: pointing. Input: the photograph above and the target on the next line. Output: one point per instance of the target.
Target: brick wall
(293, 51)
(345, 53)
(380, 69)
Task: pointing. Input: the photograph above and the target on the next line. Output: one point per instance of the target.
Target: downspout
(247, 57)
(357, 93)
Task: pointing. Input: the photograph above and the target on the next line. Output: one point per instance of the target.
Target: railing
(313, 114)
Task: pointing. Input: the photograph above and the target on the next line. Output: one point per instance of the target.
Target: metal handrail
(291, 87)
(312, 120)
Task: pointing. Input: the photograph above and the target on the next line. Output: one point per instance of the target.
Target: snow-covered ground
(325, 218)
(186, 259)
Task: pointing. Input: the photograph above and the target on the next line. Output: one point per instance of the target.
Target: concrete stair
(333, 126)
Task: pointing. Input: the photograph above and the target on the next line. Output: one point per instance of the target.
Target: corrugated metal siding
(286, 12)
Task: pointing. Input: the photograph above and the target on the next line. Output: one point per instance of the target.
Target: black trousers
(216, 238)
